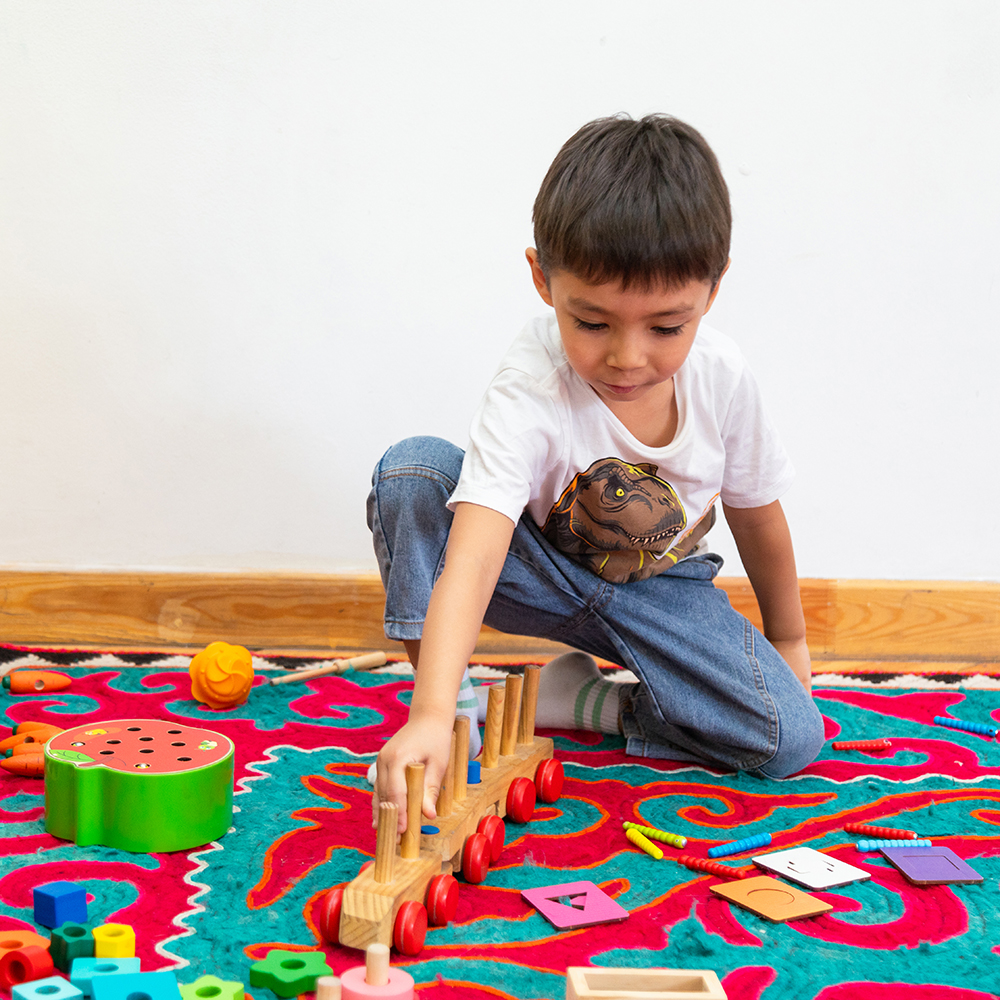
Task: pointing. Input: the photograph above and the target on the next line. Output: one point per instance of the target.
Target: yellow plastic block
(114, 941)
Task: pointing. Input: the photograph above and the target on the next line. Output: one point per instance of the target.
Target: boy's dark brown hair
(641, 201)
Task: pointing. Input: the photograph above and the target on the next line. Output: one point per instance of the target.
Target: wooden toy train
(410, 885)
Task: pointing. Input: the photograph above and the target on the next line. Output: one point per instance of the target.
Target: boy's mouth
(619, 390)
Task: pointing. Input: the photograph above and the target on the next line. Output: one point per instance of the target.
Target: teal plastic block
(84, 970)
(289, 973)
(57, 903)
(211, 988)
(136, 985)
(71, 941)
(51, 988)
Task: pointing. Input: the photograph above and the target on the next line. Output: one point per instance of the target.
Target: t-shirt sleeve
(510, 440)
(758, 470)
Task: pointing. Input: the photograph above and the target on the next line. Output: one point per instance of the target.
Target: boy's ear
(715, 290)
(538, 276)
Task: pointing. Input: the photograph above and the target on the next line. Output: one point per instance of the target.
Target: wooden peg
(328, 988)
(511, 714)
(410, 847)
(377, 965)
(462, 725)
(494, 722)
(445, 796)
(529, 702)
(364, 662)
(385, 841)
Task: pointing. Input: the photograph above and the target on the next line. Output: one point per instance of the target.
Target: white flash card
(810, 868)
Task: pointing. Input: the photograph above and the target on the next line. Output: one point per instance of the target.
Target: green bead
(70, 941)
(211, 988)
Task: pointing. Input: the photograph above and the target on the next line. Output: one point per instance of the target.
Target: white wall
(244, 246)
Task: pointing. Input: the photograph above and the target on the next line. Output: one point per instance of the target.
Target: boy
(595, 462)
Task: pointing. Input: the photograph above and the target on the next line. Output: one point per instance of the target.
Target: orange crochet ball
(221, 675)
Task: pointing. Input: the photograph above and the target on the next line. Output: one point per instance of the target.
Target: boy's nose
(625, 355)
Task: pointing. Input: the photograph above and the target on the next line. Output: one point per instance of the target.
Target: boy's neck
(653, 419)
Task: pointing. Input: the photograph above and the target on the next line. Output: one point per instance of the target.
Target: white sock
(573, 694)
(468, 706)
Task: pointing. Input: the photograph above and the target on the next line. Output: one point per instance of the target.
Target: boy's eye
(668, 331)
(583, 325)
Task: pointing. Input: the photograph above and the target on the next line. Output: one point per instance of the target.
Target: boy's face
(627, 344)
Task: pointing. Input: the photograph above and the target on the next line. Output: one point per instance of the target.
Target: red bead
(549, 780)
(521, 800)
(442, 900)
(862, 745)
(328, 917)
(493, 829)
(24, 965)
(476, 858)
(712, 867)
(410, 928)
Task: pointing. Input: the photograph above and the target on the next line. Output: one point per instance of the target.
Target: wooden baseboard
(854, 619)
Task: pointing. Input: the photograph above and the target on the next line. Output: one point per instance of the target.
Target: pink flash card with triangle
(588, 905)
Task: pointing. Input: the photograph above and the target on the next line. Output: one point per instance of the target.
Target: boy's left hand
(795, 653)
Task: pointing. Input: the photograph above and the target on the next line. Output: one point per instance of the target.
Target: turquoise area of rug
(303, 824)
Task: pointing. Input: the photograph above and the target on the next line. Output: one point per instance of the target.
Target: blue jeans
(713, 690)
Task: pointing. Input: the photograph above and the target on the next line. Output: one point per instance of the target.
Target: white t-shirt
(544, 441)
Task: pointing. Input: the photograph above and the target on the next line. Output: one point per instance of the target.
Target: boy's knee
(422, 452)
(799, 743)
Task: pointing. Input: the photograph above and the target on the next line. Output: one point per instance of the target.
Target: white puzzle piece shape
(810, 868)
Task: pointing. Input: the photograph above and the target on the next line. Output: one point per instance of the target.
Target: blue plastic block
(58, 903)
(84, 970)
(151, 985)
(52, 988)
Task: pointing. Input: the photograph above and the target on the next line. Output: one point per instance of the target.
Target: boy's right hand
(420, 741)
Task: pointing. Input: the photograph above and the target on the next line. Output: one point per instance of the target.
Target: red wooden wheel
(442, 900)
(328, 916)
(521, 800)
(410, 928)
(476, 858)
(492, 828)
(24, 965)
(549, 780)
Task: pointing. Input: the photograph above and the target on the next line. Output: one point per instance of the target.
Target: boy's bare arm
(477, 547)
(765, 546)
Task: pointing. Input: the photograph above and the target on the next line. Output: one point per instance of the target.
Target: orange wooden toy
(26, 765)
(221, 675)
(35, 681)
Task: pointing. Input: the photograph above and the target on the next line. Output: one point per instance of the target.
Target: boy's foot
(572, 694)
(468, 706)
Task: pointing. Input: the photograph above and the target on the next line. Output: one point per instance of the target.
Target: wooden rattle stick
(385, 841)
(444, 800)
(410, 847)
(364, 662)
(462, 724)
(494, 722)
(511, 714)
(529, 702)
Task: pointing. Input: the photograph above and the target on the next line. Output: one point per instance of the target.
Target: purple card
(931, 865)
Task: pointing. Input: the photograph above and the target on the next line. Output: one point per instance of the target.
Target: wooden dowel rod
(410, 846)
(365, 662)
(385, 842)
(529, 702)
(444, 800)
(377, 965)
(511, 714)
(328, 988)
(461, 758)
(494, 723)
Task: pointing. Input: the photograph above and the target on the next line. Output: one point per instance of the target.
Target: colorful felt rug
(303, 825)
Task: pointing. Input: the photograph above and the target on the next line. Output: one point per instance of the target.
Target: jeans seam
(749, 648)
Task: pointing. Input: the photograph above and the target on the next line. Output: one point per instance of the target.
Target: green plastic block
(141, 785)
(212, 988)
(71, 941)
(289, 973)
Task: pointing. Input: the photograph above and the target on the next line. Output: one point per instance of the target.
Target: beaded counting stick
(882, 744)
(674, 839)
(640, 841)
(970, 727)
(869, 846)
(864, 830)
(738, 846)
(712, 867)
